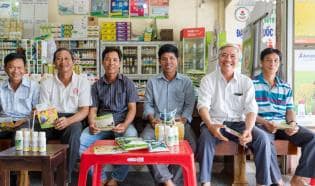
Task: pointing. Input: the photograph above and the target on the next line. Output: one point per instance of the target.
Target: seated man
(227, 97)
(274, 98)
(70, 94)
(168, 91)
(18, 95)
(116, 94)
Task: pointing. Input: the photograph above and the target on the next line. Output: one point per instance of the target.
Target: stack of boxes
(108, 31)
(115, 31)
(93, 31)
(10, 29)
(123, 31)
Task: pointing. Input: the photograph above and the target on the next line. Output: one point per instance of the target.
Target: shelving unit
(86, 53)
(6, 47)
(139, 59)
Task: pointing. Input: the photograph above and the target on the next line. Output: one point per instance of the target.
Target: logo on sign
(241, 14)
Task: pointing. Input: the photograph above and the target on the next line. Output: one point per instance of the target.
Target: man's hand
(246, 137)
(19, 123)
(293, 130)
(61, 123)
(92, 128)
(120, 128)
(215, 131)
(154, 121)
(271, 127)
(183, 120)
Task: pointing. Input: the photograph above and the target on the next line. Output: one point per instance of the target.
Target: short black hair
(13, 56)
(111, 49)
(63, 49)
(268, 51)
(168, 48)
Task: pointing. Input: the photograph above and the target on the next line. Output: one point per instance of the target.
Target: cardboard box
(166, 35)
(192, 32)
(92, 21)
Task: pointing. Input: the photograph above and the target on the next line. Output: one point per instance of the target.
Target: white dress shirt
(66, 99)
(227, 101)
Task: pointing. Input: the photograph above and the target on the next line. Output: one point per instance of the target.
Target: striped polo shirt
(114, 97)
(273, 102)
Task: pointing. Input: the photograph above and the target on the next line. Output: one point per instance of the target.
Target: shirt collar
(73, 78)
(162, 76)
(120, 77)
(235, 75)
(261, 79)
(25, 82)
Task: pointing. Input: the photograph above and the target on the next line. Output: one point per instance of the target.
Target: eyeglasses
(225, 56)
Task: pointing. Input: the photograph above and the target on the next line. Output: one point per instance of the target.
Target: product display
(131, 143)
(47, 115)
(108, 149)
(105, 122)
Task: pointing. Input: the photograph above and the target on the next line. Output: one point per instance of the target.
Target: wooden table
(180, 155)
(53, 159)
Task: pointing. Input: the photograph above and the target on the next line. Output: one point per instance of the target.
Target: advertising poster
(159, 8)
(100, 8)
(119, 8)
(304, 21)
(66, 7)
(81, 7)
(304, 81)
(139, 8)
(5, 9)
(248, 52)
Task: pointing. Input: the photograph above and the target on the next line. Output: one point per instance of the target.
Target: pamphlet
(105, 122)
(6, 124)
(283, 125)
(157, 146)
(47, 115)
(131, 143)
(108, 149)
(231, 131)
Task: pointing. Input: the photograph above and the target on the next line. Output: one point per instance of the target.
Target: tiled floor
(141, 177)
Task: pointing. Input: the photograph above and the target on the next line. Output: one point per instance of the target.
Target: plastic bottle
(26, 140)
(42, 142)
(19, 140)
(34, 141)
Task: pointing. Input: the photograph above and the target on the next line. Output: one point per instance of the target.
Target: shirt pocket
(237, 102)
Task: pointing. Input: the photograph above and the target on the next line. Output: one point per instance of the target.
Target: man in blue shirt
(168, 91)
(18, 95)
(274, 99)
(113, 94)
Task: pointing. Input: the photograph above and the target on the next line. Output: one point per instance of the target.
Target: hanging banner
(66, 7)
(139, 8)
(248, 51)
(119, 8)
(159, 8)
(100, 8)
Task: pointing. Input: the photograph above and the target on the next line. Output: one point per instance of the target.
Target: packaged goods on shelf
(10, 29)
(115, 31)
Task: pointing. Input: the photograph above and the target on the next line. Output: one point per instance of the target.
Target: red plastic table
(180, 155)
(312, 183)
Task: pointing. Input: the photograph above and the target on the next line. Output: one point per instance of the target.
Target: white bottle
(26, 140)
(34, 141)
(19, 140)
(170, 136)
(42, 142)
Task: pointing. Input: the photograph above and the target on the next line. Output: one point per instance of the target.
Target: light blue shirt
(163, 95)
(18, 104)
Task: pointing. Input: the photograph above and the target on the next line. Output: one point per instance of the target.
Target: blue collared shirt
(163, 95)
(18, 104)
(273, 102)
(114, 97)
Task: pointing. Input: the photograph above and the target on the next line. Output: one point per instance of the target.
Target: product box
(92, 21)
(47, 115)
(105, 122)
(166, 35)
(192, 32)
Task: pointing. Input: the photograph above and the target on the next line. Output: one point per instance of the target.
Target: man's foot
(169, 183)
(206, 184)
(298, 181)
(111, 182)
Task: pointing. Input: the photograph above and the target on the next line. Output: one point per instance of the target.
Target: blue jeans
(120, 171)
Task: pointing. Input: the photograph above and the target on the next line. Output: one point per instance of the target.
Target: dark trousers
(71, 136)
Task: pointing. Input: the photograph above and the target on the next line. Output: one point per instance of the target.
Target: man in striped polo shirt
(274, 99)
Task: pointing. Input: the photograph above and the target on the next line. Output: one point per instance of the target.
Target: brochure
(131, 143)
(157, 146)
(6, 124)
(105, 122)
(47, 115)
(108, 149)
(283, 125)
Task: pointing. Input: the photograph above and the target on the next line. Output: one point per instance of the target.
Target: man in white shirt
(227, 98)
(71, 95)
